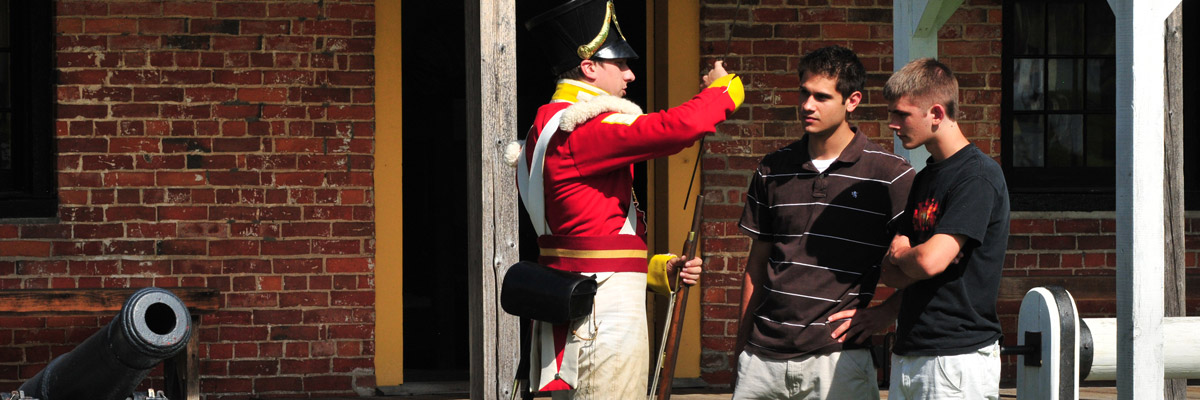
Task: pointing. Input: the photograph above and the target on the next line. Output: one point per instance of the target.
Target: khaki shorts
(847, 375)
(965, 376)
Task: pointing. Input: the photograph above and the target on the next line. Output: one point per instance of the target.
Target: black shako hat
(578, 30)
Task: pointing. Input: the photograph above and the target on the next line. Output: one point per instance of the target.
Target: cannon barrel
(152, 326)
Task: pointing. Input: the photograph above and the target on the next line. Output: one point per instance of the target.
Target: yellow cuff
(733, 85)
(656, 274)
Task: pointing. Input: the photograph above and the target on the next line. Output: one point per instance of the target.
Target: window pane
(6, 143)
(1101, 28)
(1027, 84)
(1101, 140)
(1101, 84)
(4, 24)
(5, 80)
(1066, 84)
(1066, 140)
(1027, 141)
(1029, 28)
(1064, 33)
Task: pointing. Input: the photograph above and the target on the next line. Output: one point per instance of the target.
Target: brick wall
(224, 144)
(768, 39)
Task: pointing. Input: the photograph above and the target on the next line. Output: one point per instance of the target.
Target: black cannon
(152, 326)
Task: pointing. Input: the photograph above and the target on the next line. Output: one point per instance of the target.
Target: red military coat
(588, 168)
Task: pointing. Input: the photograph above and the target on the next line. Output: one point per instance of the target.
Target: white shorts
(966, 376)
(847, 375)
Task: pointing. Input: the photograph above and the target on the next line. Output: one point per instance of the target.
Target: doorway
(436, 333)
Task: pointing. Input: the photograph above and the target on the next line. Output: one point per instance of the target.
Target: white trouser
(973, 375)
(614, 353)
(846, 374)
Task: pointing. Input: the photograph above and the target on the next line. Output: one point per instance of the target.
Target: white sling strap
(529, 180)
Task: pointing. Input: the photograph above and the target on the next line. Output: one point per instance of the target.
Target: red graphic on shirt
(925, 216)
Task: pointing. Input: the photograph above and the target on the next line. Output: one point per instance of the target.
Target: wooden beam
(1139, 182)
(1175, 302)
(492, 231)
(69, 301)
(914, 35)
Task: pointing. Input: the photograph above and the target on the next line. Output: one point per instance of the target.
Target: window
(1058, 109)
(26, 110)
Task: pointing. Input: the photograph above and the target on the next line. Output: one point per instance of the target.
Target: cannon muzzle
(152, 326)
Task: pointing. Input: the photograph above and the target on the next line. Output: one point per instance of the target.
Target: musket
(664, 371)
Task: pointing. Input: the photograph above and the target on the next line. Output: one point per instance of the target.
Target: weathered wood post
(1175, 302)
(492, 232)
(1139, 187)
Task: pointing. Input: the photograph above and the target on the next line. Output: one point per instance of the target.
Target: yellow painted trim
(568, 253)
(389, 221)
(678, 57)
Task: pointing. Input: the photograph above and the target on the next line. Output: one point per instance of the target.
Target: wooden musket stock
(670, 348)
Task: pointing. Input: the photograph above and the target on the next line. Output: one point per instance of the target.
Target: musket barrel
(152, 326)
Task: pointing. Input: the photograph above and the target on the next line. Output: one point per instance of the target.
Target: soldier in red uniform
(579, 158)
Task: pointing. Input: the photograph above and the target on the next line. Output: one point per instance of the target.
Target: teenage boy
(818, 211)
(950, 248)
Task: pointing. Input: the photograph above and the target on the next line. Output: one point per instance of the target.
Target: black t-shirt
(955, 311)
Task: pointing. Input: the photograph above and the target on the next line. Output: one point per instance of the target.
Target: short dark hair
(836, 62)
(927, 81)
(573, 73)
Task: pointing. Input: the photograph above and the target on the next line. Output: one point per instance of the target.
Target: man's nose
(808, 104)
(629, 77)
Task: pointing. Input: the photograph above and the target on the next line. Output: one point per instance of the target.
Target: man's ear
(589, 68)
(853, 100)
(938, 112)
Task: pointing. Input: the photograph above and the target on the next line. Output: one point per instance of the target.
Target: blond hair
(927, 82)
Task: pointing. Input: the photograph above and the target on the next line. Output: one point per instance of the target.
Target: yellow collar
(573, 91)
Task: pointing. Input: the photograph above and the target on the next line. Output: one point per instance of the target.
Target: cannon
(152, 326)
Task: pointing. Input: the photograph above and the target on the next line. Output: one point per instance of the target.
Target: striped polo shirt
(828, 232)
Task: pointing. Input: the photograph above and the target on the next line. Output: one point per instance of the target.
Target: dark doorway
(436, 332)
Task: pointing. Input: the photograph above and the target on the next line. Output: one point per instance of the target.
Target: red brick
(110, 25)
(128, 179)
(269, 95)
(350, 11)
(294, 10)
(297, 266)
(351, 299)
(1019, 226)
(234, 247)
(1077, 226)
(303, 299)
(343, 45)
(182, 213)
(365, 331)
(277, 384)
(304, 367)
(166, 178)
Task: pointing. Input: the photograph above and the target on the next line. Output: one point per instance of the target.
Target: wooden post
(914, 31)
(1174, 301)
(1139, 188)
(492, 232)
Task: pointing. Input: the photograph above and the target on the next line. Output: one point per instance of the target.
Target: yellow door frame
(389, 189)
